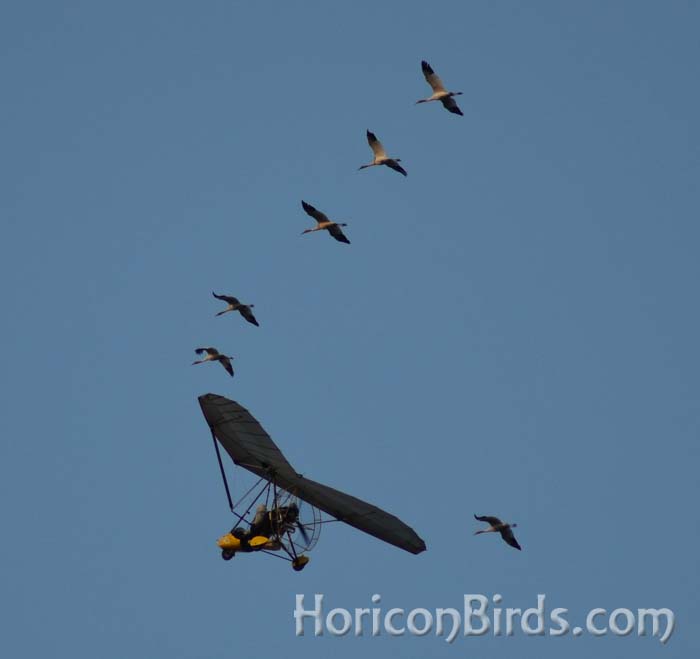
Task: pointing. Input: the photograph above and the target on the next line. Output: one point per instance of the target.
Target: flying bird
(213, 355)
(439, 91)
(234, 304)
(497, 526)
(380, 157)
(324, 223)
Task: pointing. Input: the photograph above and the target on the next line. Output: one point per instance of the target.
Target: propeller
(303, 532)
(294, 509)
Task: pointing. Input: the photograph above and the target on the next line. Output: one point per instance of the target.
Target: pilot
(260, 526)
(261, 522)
(241, 534)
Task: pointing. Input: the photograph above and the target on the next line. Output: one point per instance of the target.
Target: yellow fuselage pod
(256, 543)
(229, 541)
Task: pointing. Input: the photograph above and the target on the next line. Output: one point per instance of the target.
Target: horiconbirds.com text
(478, 615)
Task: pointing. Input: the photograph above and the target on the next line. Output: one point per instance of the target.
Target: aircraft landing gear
(227, 554)
(299, 563)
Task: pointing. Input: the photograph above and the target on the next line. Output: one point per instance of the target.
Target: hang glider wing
(243, 438)
(357, 513)
(249, 446)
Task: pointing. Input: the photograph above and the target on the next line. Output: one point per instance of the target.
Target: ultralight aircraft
(288, 514)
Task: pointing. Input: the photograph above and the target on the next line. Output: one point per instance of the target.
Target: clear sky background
(513, 331)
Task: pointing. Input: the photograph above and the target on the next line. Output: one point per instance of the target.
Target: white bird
(497, 526)
(324, 223)
(380, 157)
(439, 91)
(235, 305)
(213, 355)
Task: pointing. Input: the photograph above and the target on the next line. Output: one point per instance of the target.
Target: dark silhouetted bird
(380, 157)
(497, 526)
(324, 223)
(439, 91)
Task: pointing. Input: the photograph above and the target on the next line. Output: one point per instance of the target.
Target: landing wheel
(227, 554)
(299, 563)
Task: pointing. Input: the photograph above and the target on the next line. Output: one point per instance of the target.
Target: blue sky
(513, 330)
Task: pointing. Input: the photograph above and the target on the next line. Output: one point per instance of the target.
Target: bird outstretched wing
(396, 167)
(493, 521)
(315, 213)
(431, 77)
(209, 351)
(226, 363)
(338, 234)
(248, 315)
(450, 104)
(507, 535)
(226, 298)
(375, 145)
